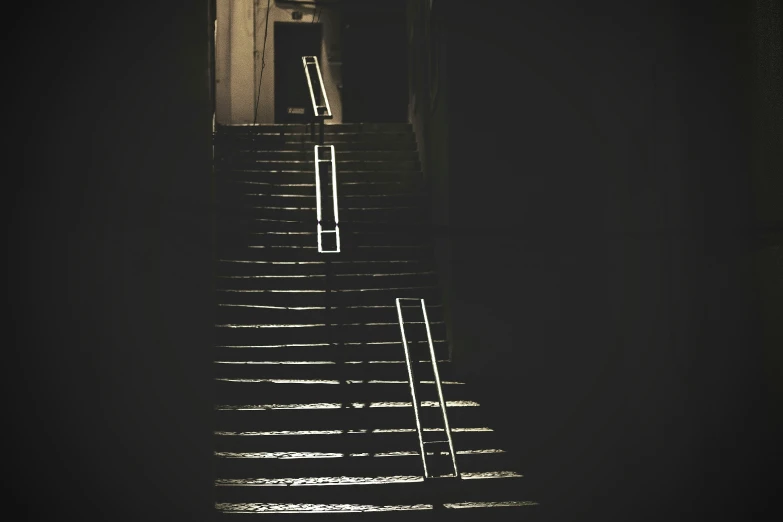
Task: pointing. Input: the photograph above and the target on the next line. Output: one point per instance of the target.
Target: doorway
(292, 96)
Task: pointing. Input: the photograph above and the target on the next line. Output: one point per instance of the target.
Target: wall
(598, 254)
(428, 113)
(375, 82)
(238, 68)
(766, 169)
(108, 356)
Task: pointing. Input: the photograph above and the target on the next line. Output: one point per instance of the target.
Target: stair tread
(312, 400)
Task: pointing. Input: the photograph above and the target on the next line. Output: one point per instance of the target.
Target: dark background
(608, 233)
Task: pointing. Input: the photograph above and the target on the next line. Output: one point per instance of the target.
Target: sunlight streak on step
(278, 455)
(344, 290)
(319, 481)
(340, 432)
(427, 272)
(303, 276)
(337, 405)
(480, 475)
(332, 455)
(273, 262)
(398, 382)
(295, 345)
(337, 481)
(461, 505)
(388, 323)
(278, 433)
(258, 291)
(391, 362)
(227, 507)
(281, 246)
(269, 325)
(276, 362)
(279, 381)
(270, 307)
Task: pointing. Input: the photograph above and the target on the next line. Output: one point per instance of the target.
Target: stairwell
(313, 412)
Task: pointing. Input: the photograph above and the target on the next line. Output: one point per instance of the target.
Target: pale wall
(237, 70)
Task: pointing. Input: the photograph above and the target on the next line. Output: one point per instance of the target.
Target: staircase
(313, 412)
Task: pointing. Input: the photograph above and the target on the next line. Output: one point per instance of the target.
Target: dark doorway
(292, 97)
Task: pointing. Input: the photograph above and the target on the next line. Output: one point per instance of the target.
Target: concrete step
(308, 154)
(315, 464)
(327, 351)
(240, 221)
(351, 232)
(228, 266)
(329, 128)
(402, 439)
(225, 313)
(308, 165)
(334, 282)
(378, 490)
(395, 510)
(272, 333)
(306, 213)
(241, 389)
(231, 247)
(321, 415)
(225, 147)
(333, 365)
(344, 201)
(353, 297)
(307, 188)
(307, 175)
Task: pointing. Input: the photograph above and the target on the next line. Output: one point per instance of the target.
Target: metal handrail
(319, 215)
(442, 402)
(319, 111)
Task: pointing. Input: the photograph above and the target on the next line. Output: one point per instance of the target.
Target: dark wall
(428, 110)
(374, 62)
(111, 262)
(600, 225)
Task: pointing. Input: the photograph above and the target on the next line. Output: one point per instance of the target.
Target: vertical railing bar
(318, 197)
(334, 197)
(413, 391)
(446, 426)
(319, 206)
(310, 84)
(317, 185)
(323, 89)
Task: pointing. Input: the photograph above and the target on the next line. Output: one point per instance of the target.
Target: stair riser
(347, 418)
(226, 392)
(311, 239)
(307, 188)
(314, 282)
(337, 370)
(229, 314)
(301, 176)
(308, 154)
(239, 267)
(358, 127)
(308, 215)
(434, 491)
(336, 333)
(308, 165)
(335, 352)
(346, 442)
(242, 236)
(252, 199)
(303, 143)
(346, 466)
